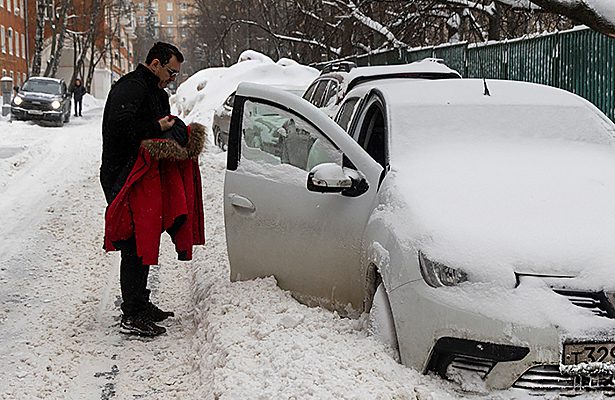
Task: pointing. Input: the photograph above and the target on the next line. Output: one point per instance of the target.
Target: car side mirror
(332, 178)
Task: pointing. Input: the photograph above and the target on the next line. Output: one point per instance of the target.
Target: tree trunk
(39, 40)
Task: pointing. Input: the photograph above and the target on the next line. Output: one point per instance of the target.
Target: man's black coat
(78, 92)
(134, 106)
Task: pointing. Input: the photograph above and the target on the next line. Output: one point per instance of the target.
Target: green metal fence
(581, 61)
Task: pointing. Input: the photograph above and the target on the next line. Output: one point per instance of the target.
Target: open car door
(281, 217)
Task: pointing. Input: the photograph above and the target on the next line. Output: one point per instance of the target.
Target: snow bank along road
(59, 296)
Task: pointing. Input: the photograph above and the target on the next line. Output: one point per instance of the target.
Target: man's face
(166, 73)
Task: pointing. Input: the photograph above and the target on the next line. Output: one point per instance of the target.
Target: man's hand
(166, 123)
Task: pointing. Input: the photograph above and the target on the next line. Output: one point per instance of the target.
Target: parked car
(42, 99)
(478, 231)
(222, 116)
(336, 79)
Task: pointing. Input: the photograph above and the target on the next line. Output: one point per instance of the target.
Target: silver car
(478, 231)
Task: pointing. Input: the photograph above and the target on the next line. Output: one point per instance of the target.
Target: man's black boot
(140, 325)
(156, 314)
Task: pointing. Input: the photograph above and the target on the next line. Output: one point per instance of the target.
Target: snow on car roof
(44, 78)
(471, 91)
(424, 66)
(457, 109)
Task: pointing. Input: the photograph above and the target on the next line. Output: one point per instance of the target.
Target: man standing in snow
(137, 108)
(78, 92)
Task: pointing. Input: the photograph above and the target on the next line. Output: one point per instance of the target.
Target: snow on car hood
(500, 207)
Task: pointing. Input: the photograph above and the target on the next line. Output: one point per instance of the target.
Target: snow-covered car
(222, 116)
(478, 231)
(42, 99)
(336, 79)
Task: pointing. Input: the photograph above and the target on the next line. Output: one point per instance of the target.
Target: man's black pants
(78, 104)
(133, 281)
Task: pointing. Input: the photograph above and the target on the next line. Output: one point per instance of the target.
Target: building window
(1, 3)
(141, 6)
(169, 6)
(10, 39)
(23, 46)
(16, 44)
(23, 76)
(3, 38)
(169, 19)
(12, 75)
(3, 73)
(170, 31)
(21, 6)
(155, 6)
(184, 20)
(8, 5)
(183, 6)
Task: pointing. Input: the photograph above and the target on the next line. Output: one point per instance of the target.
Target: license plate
(577, 353)
(35, 112)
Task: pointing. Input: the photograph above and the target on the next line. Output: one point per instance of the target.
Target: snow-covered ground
(59, 301)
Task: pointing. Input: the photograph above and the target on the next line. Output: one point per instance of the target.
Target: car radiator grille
(29, 105)
(548, 377)
(465, 363)
(596, 302)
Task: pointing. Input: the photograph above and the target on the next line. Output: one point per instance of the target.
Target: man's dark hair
(163, 52)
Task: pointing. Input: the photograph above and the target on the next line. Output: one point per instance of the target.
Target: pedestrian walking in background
(151, 180)
(78, 92)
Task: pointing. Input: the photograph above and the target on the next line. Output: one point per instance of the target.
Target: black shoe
(156, 314)
(140, 325)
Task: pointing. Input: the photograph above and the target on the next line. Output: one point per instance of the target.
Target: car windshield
(42, 86)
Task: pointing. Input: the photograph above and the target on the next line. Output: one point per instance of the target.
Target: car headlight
(438, 275)
(17, 100)
(55, 104)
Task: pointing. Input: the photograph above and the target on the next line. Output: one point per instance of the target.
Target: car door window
(347, 110)
(372, 136)
(319, 93)
(309, 92)
(331, 96)
(273, 136)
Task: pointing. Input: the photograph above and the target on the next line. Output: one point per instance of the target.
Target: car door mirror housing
(332, 178)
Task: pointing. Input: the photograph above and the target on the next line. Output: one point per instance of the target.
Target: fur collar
(171, 150)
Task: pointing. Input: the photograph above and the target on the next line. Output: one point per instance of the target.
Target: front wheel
(380, 323)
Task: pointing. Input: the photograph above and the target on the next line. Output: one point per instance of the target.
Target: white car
(336, 79)
(482, 228)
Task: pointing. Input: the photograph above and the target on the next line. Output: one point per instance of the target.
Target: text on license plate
(576, 353)
(35, 112)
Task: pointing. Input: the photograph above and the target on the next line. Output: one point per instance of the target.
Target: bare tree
(58, 32)
(42, 7)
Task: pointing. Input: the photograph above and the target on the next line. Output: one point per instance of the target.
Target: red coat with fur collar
(162, 193)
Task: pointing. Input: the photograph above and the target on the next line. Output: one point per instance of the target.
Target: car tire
(380, 322)
(60, 122)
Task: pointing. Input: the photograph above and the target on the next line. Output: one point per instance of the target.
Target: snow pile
(200, 95)
(90, 102)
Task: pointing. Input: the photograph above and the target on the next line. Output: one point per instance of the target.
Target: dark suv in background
(42, 99)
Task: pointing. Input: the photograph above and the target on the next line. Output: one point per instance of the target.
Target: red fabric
(159, 195)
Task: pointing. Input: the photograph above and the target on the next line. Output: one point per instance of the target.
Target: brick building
(170, 17)
(14, 40)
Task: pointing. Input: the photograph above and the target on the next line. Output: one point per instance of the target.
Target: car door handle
(241, 202)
